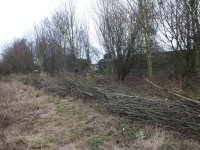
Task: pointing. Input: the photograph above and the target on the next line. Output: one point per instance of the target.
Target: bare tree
(119, 30)
(72, 35)
(62, 40)
(83, 43)
(179, 24)
(148, 29)
(144, 12)
(66, 23)
(48, 49)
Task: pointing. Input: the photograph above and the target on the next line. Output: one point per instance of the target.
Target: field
(34, 117)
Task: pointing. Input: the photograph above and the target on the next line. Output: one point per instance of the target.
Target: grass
(95, 142)
(30, 119)
(62, 109)
(127, 129)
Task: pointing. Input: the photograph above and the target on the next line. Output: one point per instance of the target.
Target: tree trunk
(147, 37)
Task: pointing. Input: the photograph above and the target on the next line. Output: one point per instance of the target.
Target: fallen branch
(173, 93)
(85, 93)
(182, 114)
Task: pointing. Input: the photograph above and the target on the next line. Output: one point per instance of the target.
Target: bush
(17, 58)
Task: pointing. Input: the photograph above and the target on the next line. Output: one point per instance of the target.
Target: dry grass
(32, 120)
(154, 142)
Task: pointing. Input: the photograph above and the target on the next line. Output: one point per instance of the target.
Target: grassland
(31, 119)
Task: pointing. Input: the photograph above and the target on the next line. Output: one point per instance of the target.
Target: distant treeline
(126, 30)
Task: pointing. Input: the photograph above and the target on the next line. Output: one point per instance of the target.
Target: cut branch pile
(182, 116)
(179, 114)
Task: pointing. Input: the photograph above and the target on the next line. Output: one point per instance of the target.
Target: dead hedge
(177, 114)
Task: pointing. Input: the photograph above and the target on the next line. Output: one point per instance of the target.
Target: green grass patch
(130, 130)
(96, 141)
(62, 109)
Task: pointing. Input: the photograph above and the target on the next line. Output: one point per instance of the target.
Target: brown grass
(32, 120)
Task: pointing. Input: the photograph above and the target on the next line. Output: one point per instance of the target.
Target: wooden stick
(173, 93)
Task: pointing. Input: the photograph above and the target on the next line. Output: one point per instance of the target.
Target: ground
(31, 119)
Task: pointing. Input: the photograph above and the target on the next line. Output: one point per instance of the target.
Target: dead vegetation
(172, 111)
(37, 121)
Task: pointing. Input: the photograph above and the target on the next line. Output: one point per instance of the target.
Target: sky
(17, 17)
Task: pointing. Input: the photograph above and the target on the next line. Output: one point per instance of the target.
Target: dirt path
(29, 119)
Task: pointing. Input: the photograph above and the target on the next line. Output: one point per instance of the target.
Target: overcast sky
(17, 17)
